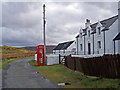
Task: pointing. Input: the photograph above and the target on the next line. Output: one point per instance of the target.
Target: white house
(102, 37)
(65, 48)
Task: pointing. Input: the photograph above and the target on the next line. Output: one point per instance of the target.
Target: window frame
(99, 30)
(80, 35)
(81, 47)
(99, 45)
(88, 33)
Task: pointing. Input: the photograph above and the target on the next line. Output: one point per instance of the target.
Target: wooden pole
(44, 22)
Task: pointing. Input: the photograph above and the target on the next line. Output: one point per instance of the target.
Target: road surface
(19, 74)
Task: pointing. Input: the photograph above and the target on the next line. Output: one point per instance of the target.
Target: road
(19, 74)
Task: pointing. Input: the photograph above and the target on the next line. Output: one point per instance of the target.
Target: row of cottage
(102, 37)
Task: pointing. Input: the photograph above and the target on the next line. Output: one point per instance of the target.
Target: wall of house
(71, 47)
(110, 35)
(99, 37)
(53, 51)
(56, 51)
(119, 16)
(76, 45)
(109, 44)
(118, 47)
(67, 51)
(89, 40)
(62, 51)
(119, 26)
(81, 41)
(78, 40)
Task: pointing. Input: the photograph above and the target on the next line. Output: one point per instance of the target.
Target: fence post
(59, 59)
(74, 63)
(66, 61)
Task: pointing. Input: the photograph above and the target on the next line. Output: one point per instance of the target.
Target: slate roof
(77, 36)
(106, 23)
(117, 37)
(63, 46)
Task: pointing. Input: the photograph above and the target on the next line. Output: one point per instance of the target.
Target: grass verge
(59, 74)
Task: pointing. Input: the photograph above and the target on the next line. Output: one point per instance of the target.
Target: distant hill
(31, 48)
(49, 48)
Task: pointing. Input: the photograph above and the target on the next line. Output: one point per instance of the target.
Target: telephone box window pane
(41, 59)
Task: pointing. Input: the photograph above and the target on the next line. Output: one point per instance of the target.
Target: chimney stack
(87, 20)
(87, 24)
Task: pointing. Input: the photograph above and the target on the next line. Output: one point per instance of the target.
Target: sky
(22, 21)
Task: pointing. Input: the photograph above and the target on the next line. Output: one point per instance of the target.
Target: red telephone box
(40, 55)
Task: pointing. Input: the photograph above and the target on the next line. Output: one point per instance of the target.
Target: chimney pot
(87, 20)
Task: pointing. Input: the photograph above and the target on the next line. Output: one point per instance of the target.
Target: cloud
(21, 15)
(21, 38)
(22, 21)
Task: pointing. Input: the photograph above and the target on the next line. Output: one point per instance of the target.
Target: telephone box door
(40, 55)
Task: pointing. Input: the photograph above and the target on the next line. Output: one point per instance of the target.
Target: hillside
(15, 52)
(12, 50)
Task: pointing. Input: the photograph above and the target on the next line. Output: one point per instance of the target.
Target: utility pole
(44, 22)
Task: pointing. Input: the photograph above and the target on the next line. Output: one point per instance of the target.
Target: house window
(88, 33)
(81, 47)
(99, 44)
(63, 51)
(80, 35)
(99, 32)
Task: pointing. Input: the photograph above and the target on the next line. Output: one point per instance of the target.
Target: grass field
(60, 74)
